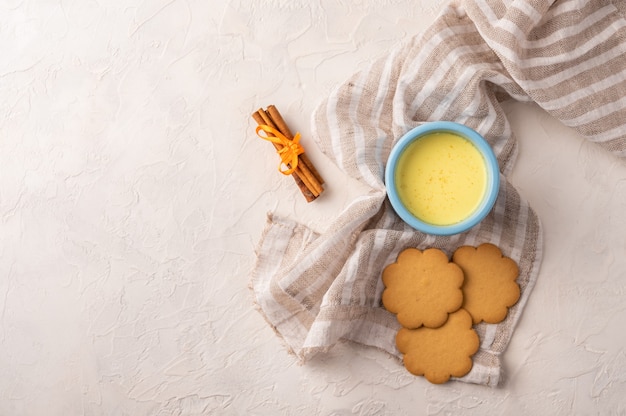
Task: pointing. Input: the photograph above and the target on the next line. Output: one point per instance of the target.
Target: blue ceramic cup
(492, 177)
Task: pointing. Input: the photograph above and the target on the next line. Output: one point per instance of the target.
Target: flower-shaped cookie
(422, 288)
(490, 288)
(440, 353)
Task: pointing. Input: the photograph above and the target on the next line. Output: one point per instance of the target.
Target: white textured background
(133, 191)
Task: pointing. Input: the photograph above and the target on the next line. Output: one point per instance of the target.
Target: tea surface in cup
(441, 178)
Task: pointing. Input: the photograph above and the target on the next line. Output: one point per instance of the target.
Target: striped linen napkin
(567, 56)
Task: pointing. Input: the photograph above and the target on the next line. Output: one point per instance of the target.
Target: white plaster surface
(133, 191)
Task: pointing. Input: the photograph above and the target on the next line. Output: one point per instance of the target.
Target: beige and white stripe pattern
(568, 56)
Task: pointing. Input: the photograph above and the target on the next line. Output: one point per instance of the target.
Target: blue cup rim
(493, 177)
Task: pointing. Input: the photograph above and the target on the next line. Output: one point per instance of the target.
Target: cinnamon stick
(284, 129)
(303, 173)
(307, 177)
(308, 195)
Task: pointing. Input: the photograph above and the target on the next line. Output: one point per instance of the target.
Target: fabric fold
(318, 289)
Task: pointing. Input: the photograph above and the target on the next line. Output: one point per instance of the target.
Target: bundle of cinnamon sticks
(307, 178)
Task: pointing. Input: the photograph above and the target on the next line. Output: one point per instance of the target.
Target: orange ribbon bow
(289, 151)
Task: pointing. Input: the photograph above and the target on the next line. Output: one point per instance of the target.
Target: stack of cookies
(437, 302)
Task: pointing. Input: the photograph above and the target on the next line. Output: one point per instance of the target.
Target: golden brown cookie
(422, 288)
(490, 288)
(440, 353)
